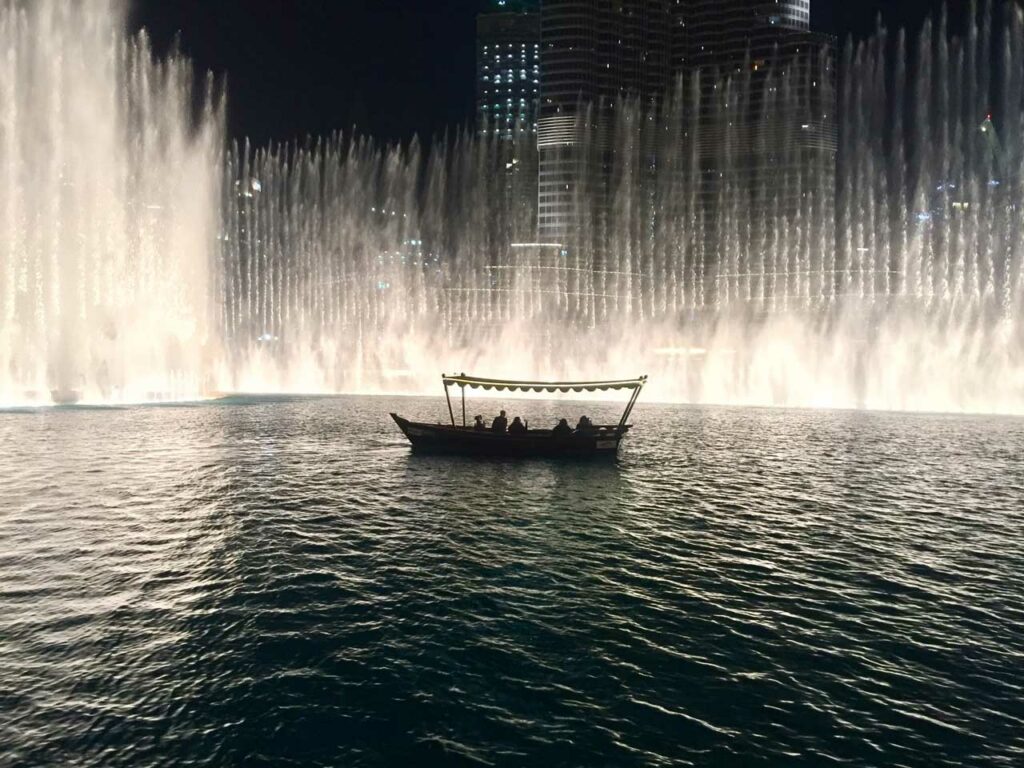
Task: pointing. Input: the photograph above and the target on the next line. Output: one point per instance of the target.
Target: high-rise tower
(767, 117)
(508, 67)
(763, 117)
(721, 32)
(594, 53)
(508, 93)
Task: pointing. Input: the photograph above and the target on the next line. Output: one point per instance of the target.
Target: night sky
(394, 68)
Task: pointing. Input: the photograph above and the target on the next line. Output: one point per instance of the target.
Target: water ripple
(285, 583)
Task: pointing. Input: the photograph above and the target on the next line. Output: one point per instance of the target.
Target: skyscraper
(721, 32)
(508, 67)
(768, 132)
(594, 54)
(762, 117)
(508, 92)
(761, 39)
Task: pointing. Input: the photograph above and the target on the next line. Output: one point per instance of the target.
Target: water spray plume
(142, 259)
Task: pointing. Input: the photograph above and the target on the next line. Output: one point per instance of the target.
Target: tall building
(721, 32)
(593, 54)
(768, 143)
(596, 54)
(508, 67)
(508, 93)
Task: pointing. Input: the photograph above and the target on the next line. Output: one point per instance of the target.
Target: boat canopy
(475, 382)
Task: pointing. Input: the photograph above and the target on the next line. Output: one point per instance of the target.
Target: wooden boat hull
(443, 438)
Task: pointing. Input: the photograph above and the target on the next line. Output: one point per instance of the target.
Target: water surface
(280, 581)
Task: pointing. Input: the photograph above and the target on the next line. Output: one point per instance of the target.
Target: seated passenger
(517, 427)
(584, 426)
(500, 423)
(562, 429)
(478, 423)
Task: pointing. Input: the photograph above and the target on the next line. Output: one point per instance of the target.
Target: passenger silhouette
(584, 426)
(562, 429)
(478, 423)
(500, 423)
(517, 428)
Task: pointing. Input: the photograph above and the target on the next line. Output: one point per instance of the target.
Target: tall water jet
(355, 266)
(109, 211)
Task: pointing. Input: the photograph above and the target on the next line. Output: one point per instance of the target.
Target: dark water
(281, 582)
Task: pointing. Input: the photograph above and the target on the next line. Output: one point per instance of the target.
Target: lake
(267, 580)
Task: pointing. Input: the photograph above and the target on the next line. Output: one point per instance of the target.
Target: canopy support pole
(463, 406)
(629, 408)
(449, 399)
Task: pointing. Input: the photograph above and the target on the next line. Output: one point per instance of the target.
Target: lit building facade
(771, 139)
(508, 94)
(721, 32)
(508, 68)
(593, 54)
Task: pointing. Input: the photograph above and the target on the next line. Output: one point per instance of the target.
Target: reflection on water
(285, 581)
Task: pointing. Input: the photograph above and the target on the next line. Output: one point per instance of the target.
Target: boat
(65, 396)
(598, 440)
